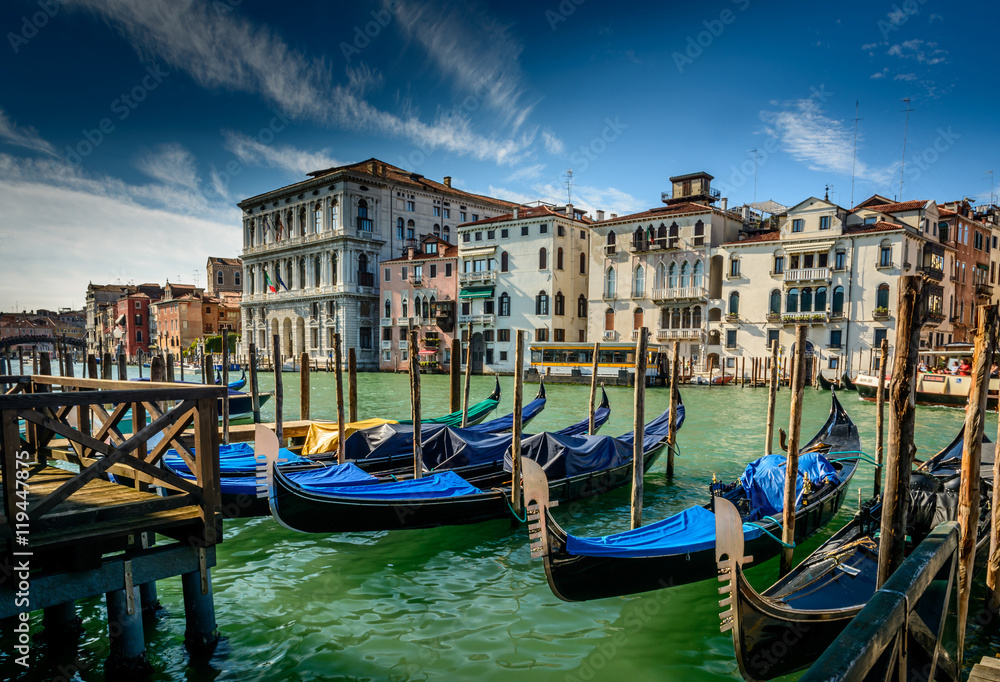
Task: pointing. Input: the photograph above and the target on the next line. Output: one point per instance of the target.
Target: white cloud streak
(171, 164)
(252, 152)
(23, 136)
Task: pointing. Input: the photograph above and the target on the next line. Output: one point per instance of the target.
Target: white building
(660, 269)
(527, 269)
(837, 271)
(312, 249)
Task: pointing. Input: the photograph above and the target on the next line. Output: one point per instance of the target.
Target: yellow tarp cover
(322, 437)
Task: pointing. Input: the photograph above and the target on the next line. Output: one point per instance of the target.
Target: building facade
(132, 321)
(661, 269)
(419, 289)
(224, 275)
(312, 252)
(527, 269)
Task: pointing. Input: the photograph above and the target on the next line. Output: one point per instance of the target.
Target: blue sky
(129, 130)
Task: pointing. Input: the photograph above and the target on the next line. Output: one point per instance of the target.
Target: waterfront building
(838, 272)
(179, 322)
(132, 320)
(527, 269)
(311, 252)
(973, 274)
(419, 289)
(102, 311)
(39, 330)
(224, 275)
(661, 269)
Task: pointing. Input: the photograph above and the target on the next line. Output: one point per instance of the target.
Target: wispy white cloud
(252, 152)
(224, 50)
(585, 197)
(23, 136)
(880, 74)
(553, 145)
(473, 48)
(171, 164)
(905, 77)
(821, 142)
(922, 51)
(526, 173)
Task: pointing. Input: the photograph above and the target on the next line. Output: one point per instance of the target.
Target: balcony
(417, 280)
(836, 315)
(933, 318)
(880, 314)
(385, 321)
(386, 344)
(365, 224)
(405, 321)
(366, 279)
(804, 318)
(677, 334)
(403, 344)
(679, 293)
(984, 290)
(609, 250)
(884, 265)
(638, 293)
(774, 317)
(477, 319)
(807, 275)
(609, 335)
(608, 296)
(936, 274)
(470, 277)
(635, 334)
(732, 317)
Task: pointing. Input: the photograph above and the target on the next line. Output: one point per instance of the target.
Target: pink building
(419, 288)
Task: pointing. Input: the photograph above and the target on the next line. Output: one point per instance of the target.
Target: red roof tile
(899, 206)
(880, 226)
(772, 236)
(662, 212)
(450, 251)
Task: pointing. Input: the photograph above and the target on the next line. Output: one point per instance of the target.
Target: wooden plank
(109, 423)
(175, 392)
(880, 417)
(339, 381)
(8, 465)
(205, 425)
(675, 392)
(772, 398)
(122, 510)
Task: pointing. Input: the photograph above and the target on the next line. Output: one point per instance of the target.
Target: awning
(476, 292)
(121, 319)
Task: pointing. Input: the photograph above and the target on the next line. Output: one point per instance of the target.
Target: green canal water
(469, 602)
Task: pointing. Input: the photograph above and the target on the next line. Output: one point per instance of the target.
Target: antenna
(854, 162)
(990, 173)
(195, 279)
(828, 188)
(569, 185)
(906, 128)
(754, 175)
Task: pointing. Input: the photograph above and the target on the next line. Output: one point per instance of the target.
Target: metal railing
(609, 335)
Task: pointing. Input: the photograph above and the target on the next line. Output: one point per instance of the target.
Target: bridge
(27, 340)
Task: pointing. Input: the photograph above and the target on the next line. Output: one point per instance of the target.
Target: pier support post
(880, 417)
(792, 459)
(279, 396)
(638, 425)
(593, 388)
(672, 414)
(106, 365)
(468, 379)
(338, 380)
(418, 457)
(62, 625)
(304, 385)
(127, 659)
(772, 397)
(455, 372)
(150, 602)
(200, 633)
(352, 384)
(122, 368)
(170, 368)
(254, 388)
(515, 443)
(902, 419)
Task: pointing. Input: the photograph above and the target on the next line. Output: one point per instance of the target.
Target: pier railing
(899, 633)
(89, 414)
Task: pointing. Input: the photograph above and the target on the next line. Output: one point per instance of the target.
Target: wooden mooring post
(968, 492)
(672, 413)
(304, 385)
(993, 561)
(593, 387)
(107, 365)
(902, 418)
(455, 373)
(880, 418)
(279, 397)
(772, 399)
(338, 379)
(225, 383)
(418, 459)
(792, 459)
(352, 383)
(254, 387)
(171, 368)
(638, 424)
(515, 443)
(468, 379)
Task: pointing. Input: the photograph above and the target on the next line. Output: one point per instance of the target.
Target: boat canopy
(442, 484)
(763, 481)
(564, 456)
(235, 458)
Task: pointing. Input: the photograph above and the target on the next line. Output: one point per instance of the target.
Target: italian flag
(270, 286)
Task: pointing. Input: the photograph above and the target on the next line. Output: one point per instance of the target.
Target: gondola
(581, 466)
(826, 384)
(233, 385)
(477, 412)
(800, 615)
(846, 383)
(681, 548)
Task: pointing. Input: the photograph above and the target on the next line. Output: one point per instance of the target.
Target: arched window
(734, 266)
(820, 299)
(542, 303)
(792, 301)
(609, 283)
(237, 278)
(333, 267)
(399, 228)
(388, 308)
(774, 305)
(696, 317)
(659, 276)
(302, 222)
(543, 258)
(696, 278)
(672, 277)
(611, 238)
(837, 304)
(686, 318)
(426, 308)
(637, 238)
(734, 303)
(504, 305)
(504, 261)
(583, 263)
(302, 273)
(362, 208)
(661, 236)
(559, 259)
(882, 296)
(806, 302)
(637, 318)
(609, 320)
(684, 274)
(406, 306)
(437, 230)
(446, 234)
(885, 254)
(317, 272)
(675, 319)
(581, 307)
(220, 278)
(318, 220)
(638, 281)
(411, 231)
(333, 214)
(560, 304)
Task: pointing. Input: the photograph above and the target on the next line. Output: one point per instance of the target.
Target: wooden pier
(76, 532)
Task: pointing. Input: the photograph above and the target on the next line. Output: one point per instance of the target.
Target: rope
(770, 534)
(863, 456)
(509, 506)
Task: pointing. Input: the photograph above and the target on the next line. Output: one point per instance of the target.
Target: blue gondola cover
(763, 481)
(235, 458)
(443, 484)
(564, 456)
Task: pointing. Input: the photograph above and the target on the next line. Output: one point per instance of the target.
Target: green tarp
(476, 292)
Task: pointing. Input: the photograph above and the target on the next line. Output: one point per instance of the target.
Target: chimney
(516, 213)
(614, 215)
(600, 216)
(447, 181)
(723, 204)
(569, 210)
(383, 170)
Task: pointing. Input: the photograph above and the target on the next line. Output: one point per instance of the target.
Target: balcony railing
(687, 333)
(880, 314)
(385, 322)
(609, 250)
(417, 280)
(679, 293)
(804, 318)
(984, 290)
(608, 296)
(836, 315)
(485, 276)
(386, 344)
(807, 274)
(365, 224)
(609, 335)
(403, 344)
(366, 279)
(774, 317)
(932, 272)
(638, 293)
(476, 319)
